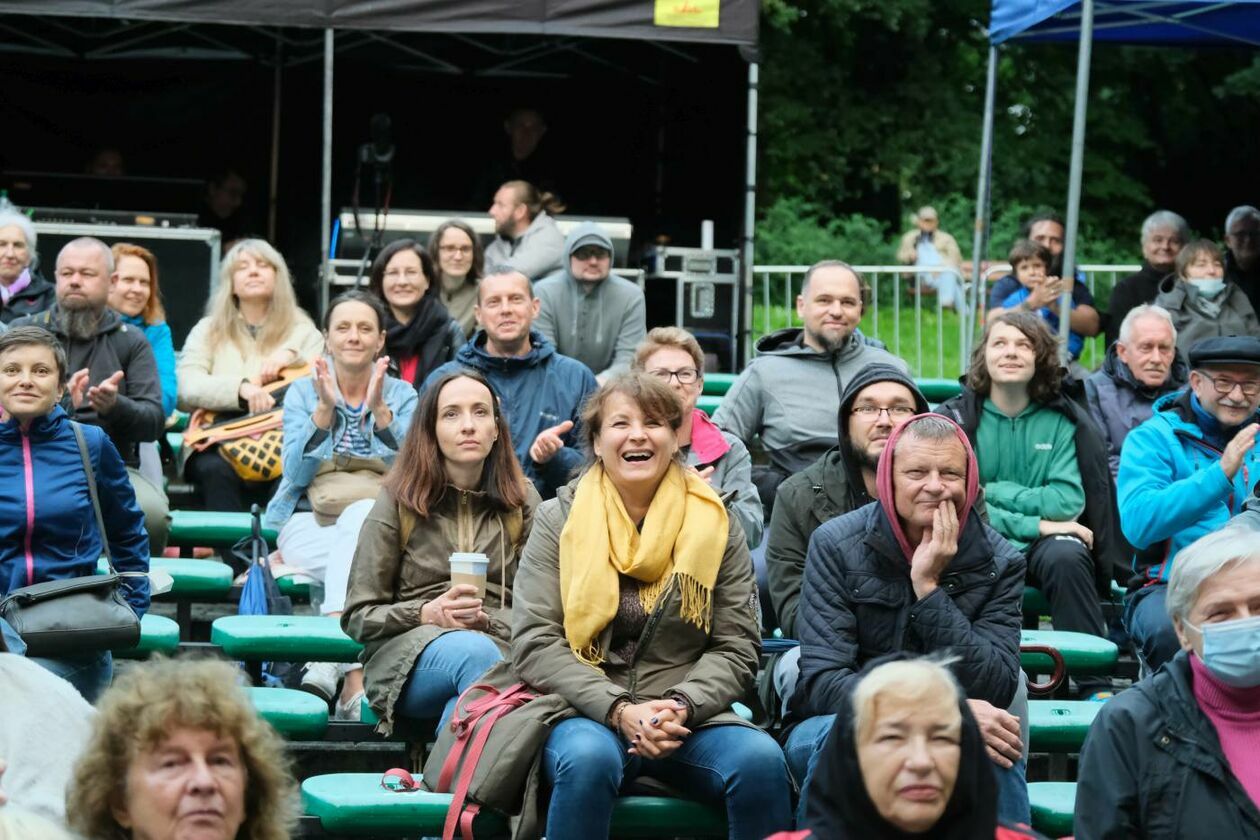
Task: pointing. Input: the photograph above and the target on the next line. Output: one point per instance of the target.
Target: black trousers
(1062, 568)
(218, 485)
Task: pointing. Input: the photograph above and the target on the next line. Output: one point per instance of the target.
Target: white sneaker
(321, 678)
(351, 709)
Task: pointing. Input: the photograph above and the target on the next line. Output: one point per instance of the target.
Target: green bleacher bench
(708, 404)
(294, 714)
(295, 586)
(355, 804)
(158, 634)
(938, 390)
(1035, 601)
(194, 580)
(717, 384)
(221, 529)
(1082, 653)
(284, 638)
(1060, 726)
(1053, 804)
(175, 440)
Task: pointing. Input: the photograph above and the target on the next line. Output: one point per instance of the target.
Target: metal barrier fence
(895, 288)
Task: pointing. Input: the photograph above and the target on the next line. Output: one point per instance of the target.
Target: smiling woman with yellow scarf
(635, 603)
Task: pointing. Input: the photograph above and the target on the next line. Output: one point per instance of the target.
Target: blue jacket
(1171, 488)
(159, 336)
(538, 390)
(45, 481)
(306, 446)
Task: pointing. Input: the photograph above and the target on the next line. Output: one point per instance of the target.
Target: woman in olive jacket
(455, 487)
(635, 603)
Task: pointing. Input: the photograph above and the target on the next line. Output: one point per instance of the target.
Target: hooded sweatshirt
(599, 324)
(790, 395)
(831, 486)
(137, 417)
(538, 390)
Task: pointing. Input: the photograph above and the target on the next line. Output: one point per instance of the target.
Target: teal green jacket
(1028, 469)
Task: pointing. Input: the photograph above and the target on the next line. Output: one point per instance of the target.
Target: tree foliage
(871, 108)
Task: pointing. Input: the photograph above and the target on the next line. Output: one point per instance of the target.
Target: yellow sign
(698, 14)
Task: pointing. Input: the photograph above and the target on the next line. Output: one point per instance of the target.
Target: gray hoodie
(790, 395)
(535, 253)
(599, 324)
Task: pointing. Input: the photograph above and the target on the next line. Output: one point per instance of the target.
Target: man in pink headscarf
(916, 571)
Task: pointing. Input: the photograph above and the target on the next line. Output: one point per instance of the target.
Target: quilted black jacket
(857, 603)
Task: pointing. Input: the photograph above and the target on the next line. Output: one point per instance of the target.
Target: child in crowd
(1038, 293)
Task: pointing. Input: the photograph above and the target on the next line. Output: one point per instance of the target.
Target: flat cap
(1225, 350)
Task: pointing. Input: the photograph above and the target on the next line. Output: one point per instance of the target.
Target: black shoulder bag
(76, 615)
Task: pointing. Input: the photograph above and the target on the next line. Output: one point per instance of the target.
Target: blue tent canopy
(1188, 22)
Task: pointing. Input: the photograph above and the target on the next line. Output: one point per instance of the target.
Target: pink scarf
(23, 280)
(884, 482)
(1235, 714)
(707, 442)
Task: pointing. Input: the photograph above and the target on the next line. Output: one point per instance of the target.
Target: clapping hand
(104, 397)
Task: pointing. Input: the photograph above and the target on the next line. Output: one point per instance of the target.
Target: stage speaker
(188, 263)
(698, 290)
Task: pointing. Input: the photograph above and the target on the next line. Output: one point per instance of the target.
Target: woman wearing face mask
(905, 759)
(1178, 754)
(420, 335)
(1203, 304)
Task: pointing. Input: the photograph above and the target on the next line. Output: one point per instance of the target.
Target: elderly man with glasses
(1183, 474)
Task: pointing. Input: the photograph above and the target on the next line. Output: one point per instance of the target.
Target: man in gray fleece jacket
(589, 313)
(790, 394)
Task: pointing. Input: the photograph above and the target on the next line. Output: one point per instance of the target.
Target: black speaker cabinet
(188, 262)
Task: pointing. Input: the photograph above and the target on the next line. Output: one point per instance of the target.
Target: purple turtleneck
(1235, 713)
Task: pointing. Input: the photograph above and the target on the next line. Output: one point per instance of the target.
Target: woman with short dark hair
(420, 334)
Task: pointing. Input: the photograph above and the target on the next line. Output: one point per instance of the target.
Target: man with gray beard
(115, 381)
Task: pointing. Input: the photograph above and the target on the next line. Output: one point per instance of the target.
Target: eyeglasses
(591, 252)
(896, 412)
(456, 249)
(399, 781)
(1225, 387)
(685, 376)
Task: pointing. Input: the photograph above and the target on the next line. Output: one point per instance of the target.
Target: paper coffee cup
(470, 568)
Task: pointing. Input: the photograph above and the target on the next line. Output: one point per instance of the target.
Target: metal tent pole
(981, 236)
(750, 209)
(1075, 170)
(325, 192)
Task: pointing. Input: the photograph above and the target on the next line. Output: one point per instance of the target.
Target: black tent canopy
(714, 21)
(241, 28)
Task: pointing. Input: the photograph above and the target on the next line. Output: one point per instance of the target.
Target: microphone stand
(382, 193)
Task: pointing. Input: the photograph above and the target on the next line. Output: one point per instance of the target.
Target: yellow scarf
(683, 537)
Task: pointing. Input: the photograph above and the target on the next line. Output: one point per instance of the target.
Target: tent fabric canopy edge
(1169, 22)
(717, 21)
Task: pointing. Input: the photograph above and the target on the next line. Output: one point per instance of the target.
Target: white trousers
(325, 551)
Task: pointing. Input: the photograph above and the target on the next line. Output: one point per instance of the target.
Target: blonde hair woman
(253, 329)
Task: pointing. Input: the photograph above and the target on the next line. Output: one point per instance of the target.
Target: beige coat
(210, 377)
(390, 583)
(945, 244)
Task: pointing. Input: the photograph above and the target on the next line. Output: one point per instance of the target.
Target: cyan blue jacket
(159, 336)
(45, 484)
(538, 390)
(1171, 488)
(306, 446)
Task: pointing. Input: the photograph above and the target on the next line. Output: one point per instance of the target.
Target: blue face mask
(1231, 650)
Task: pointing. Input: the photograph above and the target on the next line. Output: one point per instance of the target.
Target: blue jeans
(12, 641)
(585, 765)
(90, 673)
(805, 742)
(449, 664)
(1146, 619)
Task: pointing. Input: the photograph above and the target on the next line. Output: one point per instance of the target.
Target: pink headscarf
(884, 481)
(707, 443)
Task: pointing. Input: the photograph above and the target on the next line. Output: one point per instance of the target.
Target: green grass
(940, 353)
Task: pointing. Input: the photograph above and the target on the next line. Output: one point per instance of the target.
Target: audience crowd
(509, 403)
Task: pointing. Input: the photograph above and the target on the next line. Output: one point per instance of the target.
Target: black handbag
(76, 615)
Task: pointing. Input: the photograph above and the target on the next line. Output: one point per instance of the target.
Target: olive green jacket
(390, 582)
(711, 670)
